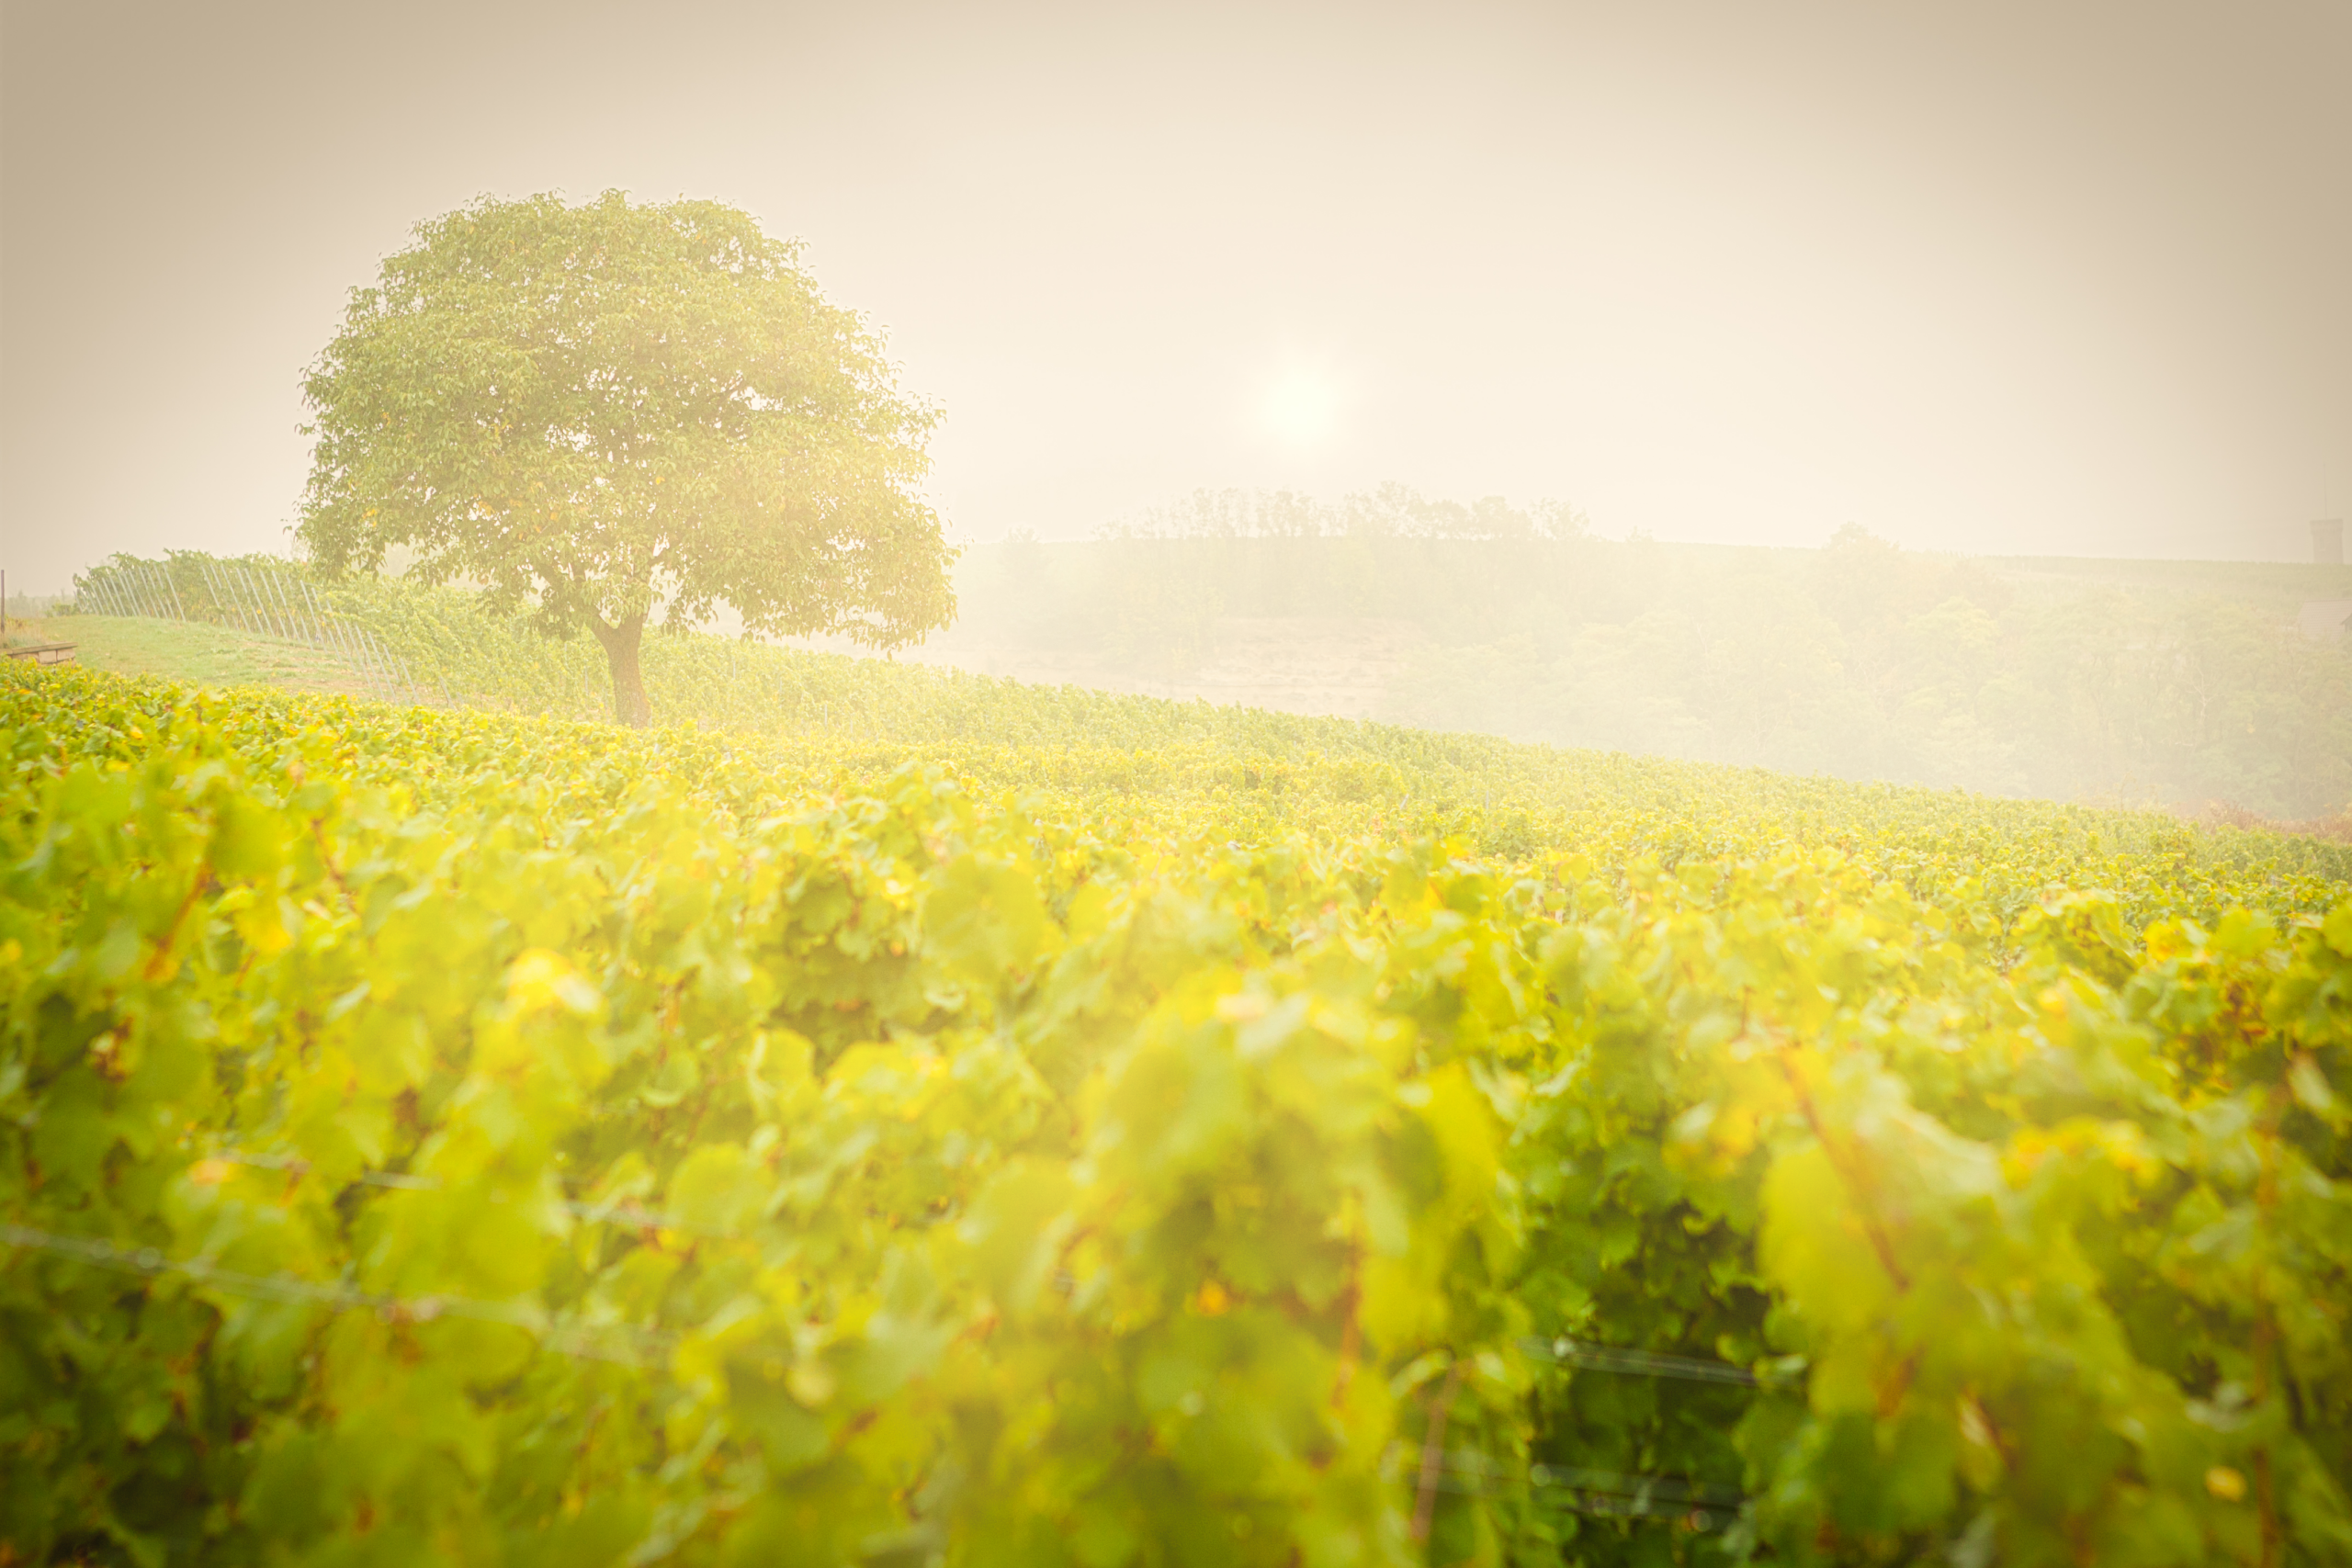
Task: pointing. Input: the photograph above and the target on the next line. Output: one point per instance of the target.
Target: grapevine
(435, 1132)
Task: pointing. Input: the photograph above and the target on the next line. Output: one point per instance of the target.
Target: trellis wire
(1698, 1504)
(1640, 1363)
(598, 1342)
(261, 600)
(401, 1180)
(1596, 1492)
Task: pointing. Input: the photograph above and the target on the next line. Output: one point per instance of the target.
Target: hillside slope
(196, 651)
(2116, 696)
(2177, 684)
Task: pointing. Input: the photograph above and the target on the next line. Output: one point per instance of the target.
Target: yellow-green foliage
(439, 1135)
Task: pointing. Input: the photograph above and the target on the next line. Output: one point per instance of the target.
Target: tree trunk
(629, 705)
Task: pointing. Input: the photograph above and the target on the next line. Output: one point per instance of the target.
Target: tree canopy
(612, 412)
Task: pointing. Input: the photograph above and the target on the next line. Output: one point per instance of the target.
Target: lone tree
(612, 410)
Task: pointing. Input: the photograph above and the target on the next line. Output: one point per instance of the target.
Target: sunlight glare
(1300, 406)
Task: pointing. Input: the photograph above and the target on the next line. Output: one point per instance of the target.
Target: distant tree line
(1385, 512)
(1870, 662)
(1858, 659)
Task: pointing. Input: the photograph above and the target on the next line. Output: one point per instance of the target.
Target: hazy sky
(2047, 277)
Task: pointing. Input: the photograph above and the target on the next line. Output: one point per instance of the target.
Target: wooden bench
(44, 652)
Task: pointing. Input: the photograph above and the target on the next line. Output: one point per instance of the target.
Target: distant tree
(610, 411)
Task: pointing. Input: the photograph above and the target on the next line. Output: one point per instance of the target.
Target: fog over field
(922, 786)
(2011, 280)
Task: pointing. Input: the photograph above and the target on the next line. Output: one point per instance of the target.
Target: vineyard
(1858, 660)
(930, 1120)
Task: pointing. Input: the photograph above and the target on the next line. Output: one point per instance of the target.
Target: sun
(1300, 406)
